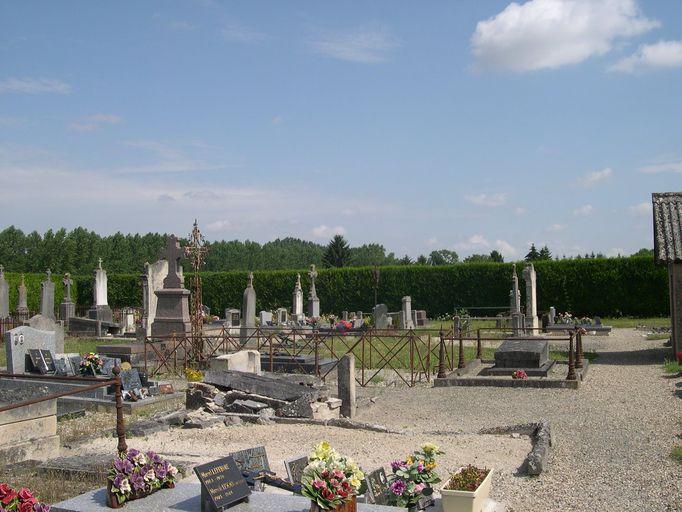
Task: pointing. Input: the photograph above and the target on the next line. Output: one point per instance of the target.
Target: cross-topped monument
(312, 274)
(313, 300)
(172, 253)
(4, 294)
(68, 282)
(99, 262)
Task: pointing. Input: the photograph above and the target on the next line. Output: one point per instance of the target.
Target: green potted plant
(466, 489)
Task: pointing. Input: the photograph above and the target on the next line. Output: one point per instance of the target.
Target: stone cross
(67, 284)
(48, 275)
(2, 271)
(249, 280)
(99, 262)
(172, 253)
(312, 274)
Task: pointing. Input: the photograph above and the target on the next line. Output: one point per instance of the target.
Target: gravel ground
(612, 437)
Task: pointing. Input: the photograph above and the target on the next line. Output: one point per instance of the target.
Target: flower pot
(467, 501)
(112, 500)
(349, 506)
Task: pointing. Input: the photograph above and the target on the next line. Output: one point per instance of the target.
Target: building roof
(667, 227)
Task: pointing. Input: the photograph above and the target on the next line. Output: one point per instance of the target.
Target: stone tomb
(530, 355)
(20, 340)
(233, 317)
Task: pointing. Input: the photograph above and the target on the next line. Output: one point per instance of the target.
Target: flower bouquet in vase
(91, 365)
(331, 481)
(412, 478)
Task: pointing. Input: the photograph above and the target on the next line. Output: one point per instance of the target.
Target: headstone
(380, 313)
(530, 277)
(172, 308)
(522, 354)
(241, 361)
(295, 468)
(130, 379)
(100, 309)
(20, 340)
(378, 491)
(297, 301)
(233, 317)
(222, 484)
(252, 460)
(313, 300)
(4, 295)
(281, 316)
(344, 316)
(108, 364)
(43, 323)
(22, 304)
(515, 304)
(152, 280)
(346, 380)
(248, 324)
(265, 318)
(406, 314)
(47, 296)
(128, 320)
(552, 315)
(67, 309)
(421, 318)
(359, 314)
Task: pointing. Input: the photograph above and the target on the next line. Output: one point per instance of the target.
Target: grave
(313, 300)
(100, 309)
(532, 321)
(152, 280)
(248, 323)
(47, 296)
(281, 316)
(47, 324)
(19, 341)
(233, 317)
(172, 308)
(420, 318)
(530, 355)
(242, 361)
(67, 309)
(380, 314)
(265, 318)
(406, 313)
(22, 298)
(297, 301)
(4, 295)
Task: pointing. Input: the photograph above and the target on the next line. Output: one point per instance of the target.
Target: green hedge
(606, 287)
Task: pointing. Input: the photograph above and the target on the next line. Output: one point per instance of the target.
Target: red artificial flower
(11, 494)
(26, 495)
(679, 357)
(25, 507)
(4, 489)
(327, 494)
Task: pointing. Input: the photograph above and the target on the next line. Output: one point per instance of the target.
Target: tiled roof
(667, 227)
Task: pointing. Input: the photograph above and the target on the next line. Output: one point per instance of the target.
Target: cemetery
(296, 407)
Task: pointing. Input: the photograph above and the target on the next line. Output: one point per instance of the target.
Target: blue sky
(469, 126)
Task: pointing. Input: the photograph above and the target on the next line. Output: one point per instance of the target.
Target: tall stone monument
(4, 295)
(297, 302)
(152, 280)
(313, 300)
(67, 309)
(532, 321)
(406, 314)
(100, 309)
(172, 307)
(47, 296)
(248, 309)
(22, 302)
(515, 305)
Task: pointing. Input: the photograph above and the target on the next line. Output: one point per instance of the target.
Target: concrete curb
(541, 438)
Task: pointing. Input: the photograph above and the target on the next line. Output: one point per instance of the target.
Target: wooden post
(120, 424)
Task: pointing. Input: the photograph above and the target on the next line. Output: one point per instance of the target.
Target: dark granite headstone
(522, 353)
(252, 460)
(222, 484)
(295, 468)
(377, 487)
(37, 361)
(108, 365)
(130, 379)
(49, 360)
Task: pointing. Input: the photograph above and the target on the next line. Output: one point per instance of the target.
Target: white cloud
(34, 86)
(664, 167)
(640, 210)
(507, 249)
(324, 231)
(217, 226)
(519, 211)
(547, 34)
(472, 243)
(167, 158)
(497, 199)
(277, 120)
(555, 228)
(432, 242)
(237, 33)
(661, 55)
(583, 211)
(348, 212)
(366, 46)
(595, 177)
(95, 122)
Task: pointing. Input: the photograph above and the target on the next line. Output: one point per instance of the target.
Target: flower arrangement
(520, 374)
(330, 479)
(22, 500)
(91, 364)
(134, 473)
(412, 477)
(469, 478)
(193, 375)
(679, 357)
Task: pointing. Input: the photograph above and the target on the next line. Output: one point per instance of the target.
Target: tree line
(77, 251)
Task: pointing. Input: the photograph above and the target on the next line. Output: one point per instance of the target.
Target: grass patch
(627, 321)
(671, 366)
(562, 355)
(85, 345)
(653, 336)
(676, 454)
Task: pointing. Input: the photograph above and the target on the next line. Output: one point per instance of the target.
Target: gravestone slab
(380, 316)
(43, 323)
(172, 307)
(130, 379)
(108, 365)
(253, 460)
(20, 340)
(47, 296)
(377, 487)
(265, 318)
(295, 468)
(297, 300)
(222, 484)
(522, 353)
(4, 295)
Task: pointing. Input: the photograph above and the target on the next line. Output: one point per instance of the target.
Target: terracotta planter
(349, 506)
(467, 501)
(112, 500)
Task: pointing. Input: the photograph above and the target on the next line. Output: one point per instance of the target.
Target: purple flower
(420, 468)
(398, 487)
(397, 464)
(41, 507)
(160, 471)
(137, 480)
(118, 480)
(154, 457)
(123, 466)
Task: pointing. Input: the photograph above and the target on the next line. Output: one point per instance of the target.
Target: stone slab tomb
(529, 355)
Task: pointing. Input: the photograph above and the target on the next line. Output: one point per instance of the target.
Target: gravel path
(612, 437)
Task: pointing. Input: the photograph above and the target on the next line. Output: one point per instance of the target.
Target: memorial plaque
(166, 389)
(75, 364)
(108, 365)
(222, 484)
(252, 460)
(295, 468)
(377, 487)
(130, 379)
(49, 360)
(37, 361)
(61, 366)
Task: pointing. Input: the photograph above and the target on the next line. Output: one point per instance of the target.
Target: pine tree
(533, 254)
(337, 253)
(544, 254)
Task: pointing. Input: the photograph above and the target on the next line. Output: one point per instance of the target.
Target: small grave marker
(295, 468)
(222, 484)
(377, 487)
(130, 379)
(42, 360)
(49, 360)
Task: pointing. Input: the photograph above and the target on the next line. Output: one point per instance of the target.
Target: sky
(468, 126)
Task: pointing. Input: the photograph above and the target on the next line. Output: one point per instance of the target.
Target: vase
(347, 506)
(466, 501)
